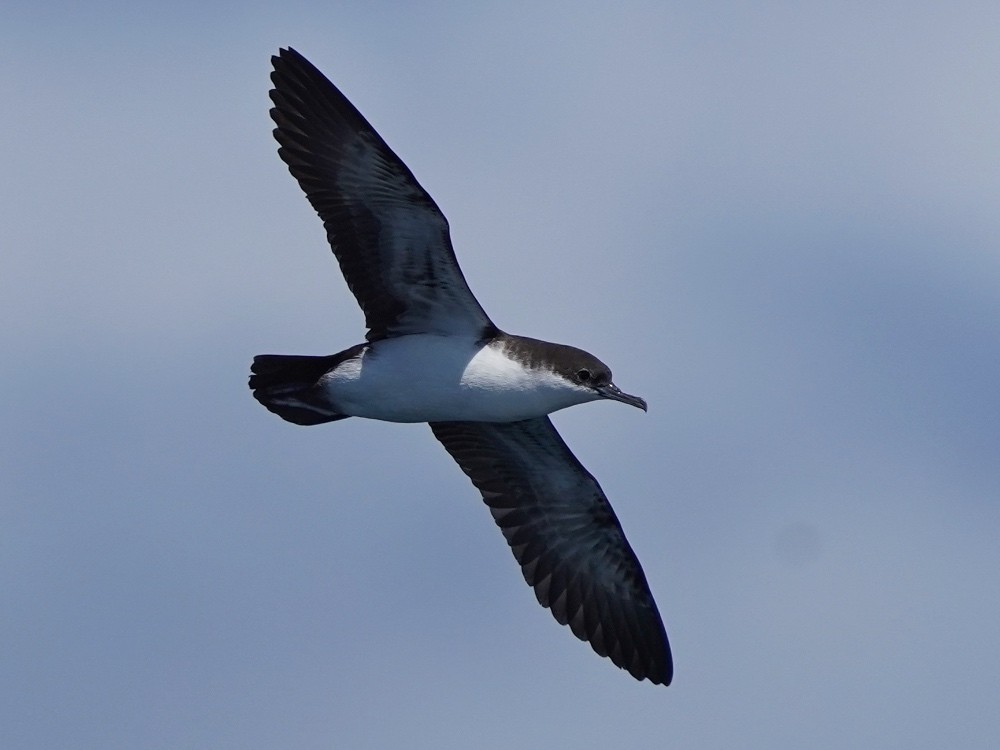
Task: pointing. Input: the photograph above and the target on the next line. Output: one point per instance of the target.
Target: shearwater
(433, 355)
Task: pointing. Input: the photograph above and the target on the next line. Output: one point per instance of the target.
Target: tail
(286, 385)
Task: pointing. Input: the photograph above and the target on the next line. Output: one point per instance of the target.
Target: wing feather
(566, 537)
(390, 238)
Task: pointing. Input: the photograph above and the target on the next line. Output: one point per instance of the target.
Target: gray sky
(777, 222)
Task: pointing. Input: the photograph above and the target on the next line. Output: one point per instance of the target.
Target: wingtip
(282, 53)
(656, 673)
(667, 677)
(289, 56)
(284, 61)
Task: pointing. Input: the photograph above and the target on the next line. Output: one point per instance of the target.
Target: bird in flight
(432, 355)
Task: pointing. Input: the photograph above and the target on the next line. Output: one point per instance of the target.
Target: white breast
(425, 378)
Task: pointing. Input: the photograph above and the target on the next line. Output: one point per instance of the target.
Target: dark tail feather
(286, 385)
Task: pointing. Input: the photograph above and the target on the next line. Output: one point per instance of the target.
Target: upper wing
(566, 537)
(389, 236)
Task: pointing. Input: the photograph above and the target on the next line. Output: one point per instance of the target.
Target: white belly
(424, 378)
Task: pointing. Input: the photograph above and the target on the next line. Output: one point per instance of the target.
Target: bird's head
(585, 371)
(588, 377)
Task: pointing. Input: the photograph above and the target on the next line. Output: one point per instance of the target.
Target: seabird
(432, 355)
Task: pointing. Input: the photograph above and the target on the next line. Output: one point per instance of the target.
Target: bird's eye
(583, 375)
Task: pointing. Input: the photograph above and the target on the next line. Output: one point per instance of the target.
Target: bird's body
(434, 378)
(433, 355)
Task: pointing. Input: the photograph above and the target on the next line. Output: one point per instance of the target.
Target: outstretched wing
(389, 236)
(566, 537)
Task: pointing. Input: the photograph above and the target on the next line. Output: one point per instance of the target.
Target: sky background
(777, 222)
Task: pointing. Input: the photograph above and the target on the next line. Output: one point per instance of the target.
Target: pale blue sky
(777, 222)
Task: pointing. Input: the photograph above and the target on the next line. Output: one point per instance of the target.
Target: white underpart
(427, 378)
